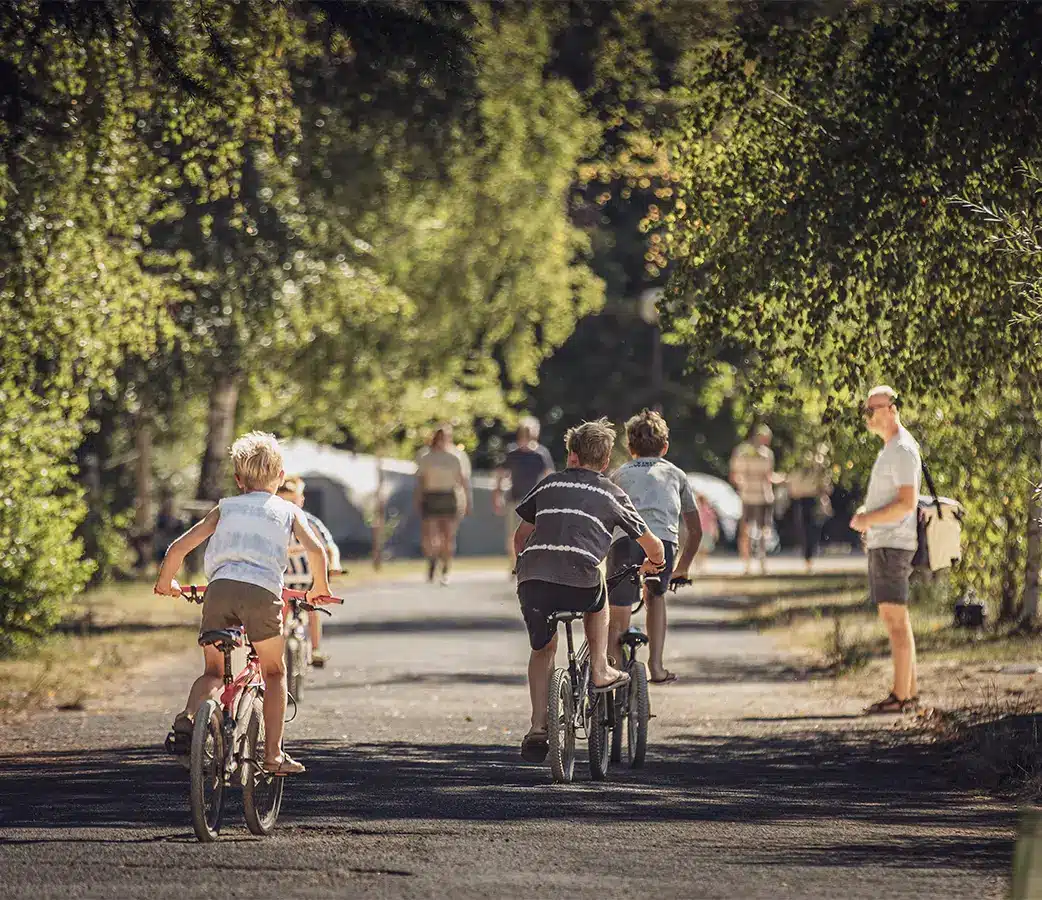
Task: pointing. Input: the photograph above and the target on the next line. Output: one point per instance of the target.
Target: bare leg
(618, 621)
(595, 626)
(271, 654)
(902, 646)
(447, 536)
(743, 544)
(656, 604)
(540, 668)
(209, 683)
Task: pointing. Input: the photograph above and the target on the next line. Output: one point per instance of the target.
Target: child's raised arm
(317, 560)
(179, 549)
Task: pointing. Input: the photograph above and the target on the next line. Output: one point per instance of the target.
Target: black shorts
(541, 599)
(439, 504)
(627, 552)
(889, 574)
(761, 514)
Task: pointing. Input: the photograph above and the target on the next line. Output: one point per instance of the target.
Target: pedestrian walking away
(810, 489)
(526, 464)
(888, 522)
(442, 484)
(752, 474)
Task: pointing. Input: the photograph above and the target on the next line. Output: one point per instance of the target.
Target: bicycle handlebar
(194, 594)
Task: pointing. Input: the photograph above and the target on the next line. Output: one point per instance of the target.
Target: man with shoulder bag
(889, 521)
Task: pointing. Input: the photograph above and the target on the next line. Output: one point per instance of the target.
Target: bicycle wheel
(640, 712)
(621, 712)
(561, 727)
(207, 768)
(261, 793)
(598, 731)
(294, 667)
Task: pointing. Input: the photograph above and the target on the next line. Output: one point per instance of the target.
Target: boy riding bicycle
(298, 575)
(244, 565)
(566, 525)
(662, 495)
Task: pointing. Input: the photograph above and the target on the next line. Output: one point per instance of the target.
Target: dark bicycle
(575, 709)
(632, 702)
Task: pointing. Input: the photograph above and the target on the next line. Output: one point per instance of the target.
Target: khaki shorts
(228, 603)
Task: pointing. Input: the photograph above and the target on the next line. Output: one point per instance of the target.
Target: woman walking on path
(810, 489)
(442, 479)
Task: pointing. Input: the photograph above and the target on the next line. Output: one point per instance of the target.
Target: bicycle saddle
(565, 616)
(222, 637)
(634, 638)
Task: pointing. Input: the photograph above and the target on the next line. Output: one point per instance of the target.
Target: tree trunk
(219, 429)
(1008, 601)
(1033, 556)
(144, 516)
(220, 426)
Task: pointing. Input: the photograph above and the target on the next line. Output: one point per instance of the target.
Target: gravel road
(759, 783)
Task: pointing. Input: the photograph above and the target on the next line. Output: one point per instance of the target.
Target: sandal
(286, 765)
(668, 678)
(621, 681)
(890, 705)
(534, 746)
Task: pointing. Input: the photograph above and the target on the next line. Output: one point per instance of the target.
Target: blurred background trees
(348, 221)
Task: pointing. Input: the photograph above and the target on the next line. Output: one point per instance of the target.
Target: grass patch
(838, 627)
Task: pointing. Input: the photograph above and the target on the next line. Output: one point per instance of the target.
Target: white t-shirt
(899, 464)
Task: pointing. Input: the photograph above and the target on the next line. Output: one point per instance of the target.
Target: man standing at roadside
(888, 521)
(752, 474)
(527, 463)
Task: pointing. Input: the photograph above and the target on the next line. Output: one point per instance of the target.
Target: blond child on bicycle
(244, 564)
(299, 573)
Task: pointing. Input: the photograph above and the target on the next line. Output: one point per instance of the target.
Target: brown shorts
(229, 603)
(889, 571)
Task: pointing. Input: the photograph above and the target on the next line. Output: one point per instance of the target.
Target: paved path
(758, 785)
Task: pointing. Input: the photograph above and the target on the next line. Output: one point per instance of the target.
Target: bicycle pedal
(177, 744)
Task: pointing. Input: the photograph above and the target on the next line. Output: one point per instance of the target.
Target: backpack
(939, 529)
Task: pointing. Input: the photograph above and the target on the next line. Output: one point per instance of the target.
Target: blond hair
(647, 433)
(257, 460)
(292, 484)
(591, 442)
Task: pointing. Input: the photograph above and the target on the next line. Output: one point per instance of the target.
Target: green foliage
(814, 246)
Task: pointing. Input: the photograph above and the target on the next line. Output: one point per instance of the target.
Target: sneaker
(445, 579)
(318, 659)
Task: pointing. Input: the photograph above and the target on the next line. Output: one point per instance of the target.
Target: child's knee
(273, 669)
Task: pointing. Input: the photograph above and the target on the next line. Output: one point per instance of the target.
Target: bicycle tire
(561, 727)
(261, 793)
(640, 713)
(294, 669)
(598, 733)
(620, 697)
(207, 771)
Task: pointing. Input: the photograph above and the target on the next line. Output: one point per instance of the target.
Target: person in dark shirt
(566, 526)
(526, 464)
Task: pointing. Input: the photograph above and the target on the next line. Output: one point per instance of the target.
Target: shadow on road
(795, 780)
(422, 624)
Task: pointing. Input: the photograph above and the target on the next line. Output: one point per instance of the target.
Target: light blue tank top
(252, 539)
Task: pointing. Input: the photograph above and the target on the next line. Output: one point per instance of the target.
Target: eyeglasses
(869, 411)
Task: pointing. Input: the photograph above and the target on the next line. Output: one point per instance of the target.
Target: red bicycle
(228, 736)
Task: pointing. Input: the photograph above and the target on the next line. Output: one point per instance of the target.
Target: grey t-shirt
(574, 512)
(660, 493)
(526, 466)
(898, 464)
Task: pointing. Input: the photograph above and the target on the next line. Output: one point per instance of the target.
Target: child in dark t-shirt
(564, 535)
